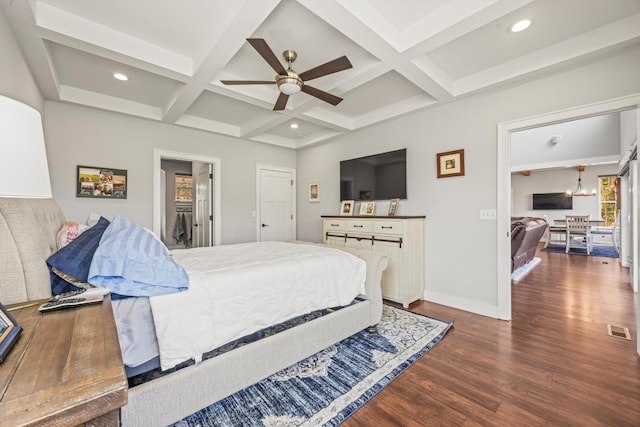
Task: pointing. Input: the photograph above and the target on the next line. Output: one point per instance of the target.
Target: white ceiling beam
(619, 33)
(249, 17)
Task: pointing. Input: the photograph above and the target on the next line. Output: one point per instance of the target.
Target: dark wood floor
(552, 365)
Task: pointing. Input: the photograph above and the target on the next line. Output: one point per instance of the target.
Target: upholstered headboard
(28, 229)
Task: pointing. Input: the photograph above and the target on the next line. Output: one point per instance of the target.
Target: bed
(28, 229)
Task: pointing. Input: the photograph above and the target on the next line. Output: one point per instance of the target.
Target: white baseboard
(483, 309)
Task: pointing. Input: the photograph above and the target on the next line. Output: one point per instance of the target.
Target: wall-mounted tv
(549, 201)
(376, 177)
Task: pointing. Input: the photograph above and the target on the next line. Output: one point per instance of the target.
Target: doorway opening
(204, 207)
(504, 181)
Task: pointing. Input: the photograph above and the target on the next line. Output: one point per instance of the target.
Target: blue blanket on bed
(130, 260)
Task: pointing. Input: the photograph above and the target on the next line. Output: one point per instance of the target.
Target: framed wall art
(9, 332)
(450, 163)
(367, 208)
(347, 207)
(314, 191)
(184, 188)
(101, 182)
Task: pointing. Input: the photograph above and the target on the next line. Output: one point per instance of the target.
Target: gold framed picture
(314, 191)
(367, 208)
(393, 207)
(346, 209)
(450, 163)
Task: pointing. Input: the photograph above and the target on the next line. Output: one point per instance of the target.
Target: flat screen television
(376, 177)
(549, 201)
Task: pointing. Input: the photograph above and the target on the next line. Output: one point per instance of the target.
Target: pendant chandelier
(580, 191)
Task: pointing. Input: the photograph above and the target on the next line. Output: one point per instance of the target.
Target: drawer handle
(335, 225)
(358, 226)
(389, 227)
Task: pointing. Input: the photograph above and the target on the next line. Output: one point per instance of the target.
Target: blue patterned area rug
(605, 251)
(326, 388)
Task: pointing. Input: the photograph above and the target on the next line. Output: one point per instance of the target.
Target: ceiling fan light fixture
(289, 84)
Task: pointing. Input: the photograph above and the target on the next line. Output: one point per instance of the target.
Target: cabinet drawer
(388, 227)
(359, 226)
(335, 225)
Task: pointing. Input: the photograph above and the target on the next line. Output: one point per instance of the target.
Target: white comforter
(235, 290)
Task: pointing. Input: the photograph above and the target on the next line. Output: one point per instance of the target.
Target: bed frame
(28, 229)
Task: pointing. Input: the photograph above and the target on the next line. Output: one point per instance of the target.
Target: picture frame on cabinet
(314, 191)
(346, 209)
(450, 163)
(367, 208)
(393, 207)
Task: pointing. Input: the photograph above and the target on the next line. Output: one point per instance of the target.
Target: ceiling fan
(289, 82)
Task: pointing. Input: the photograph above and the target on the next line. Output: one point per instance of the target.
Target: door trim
(158, 155)
(261, 167)
(503, 264)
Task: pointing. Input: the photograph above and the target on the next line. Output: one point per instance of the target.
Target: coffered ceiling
(407, 55)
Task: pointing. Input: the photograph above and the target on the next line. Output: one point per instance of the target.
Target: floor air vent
(618, 332)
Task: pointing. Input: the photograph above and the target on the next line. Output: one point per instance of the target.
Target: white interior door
(202, 205)
(276, 194)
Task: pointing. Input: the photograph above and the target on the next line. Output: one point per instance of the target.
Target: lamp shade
(23, 158)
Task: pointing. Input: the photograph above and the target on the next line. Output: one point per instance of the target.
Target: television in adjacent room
(550, 201)
(376, 177)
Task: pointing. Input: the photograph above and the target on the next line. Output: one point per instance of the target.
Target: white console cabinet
(400, 238)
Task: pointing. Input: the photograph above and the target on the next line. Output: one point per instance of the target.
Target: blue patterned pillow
(132, 261)
(69, 266)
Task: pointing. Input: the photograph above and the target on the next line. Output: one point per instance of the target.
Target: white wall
(628, 126)
(558, 181)
(15, 78)
(83, 136)
(460, 249)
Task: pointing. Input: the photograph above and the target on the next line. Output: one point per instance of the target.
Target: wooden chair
(578, 232)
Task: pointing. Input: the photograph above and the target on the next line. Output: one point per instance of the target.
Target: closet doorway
(186, 199)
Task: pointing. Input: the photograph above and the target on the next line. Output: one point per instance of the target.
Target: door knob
(265, 225)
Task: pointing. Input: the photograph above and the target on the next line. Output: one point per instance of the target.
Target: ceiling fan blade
(267, 54)
(320, 94)
(330, 67)
(247, 82)
(281, 102)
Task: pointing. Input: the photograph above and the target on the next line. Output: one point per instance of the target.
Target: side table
(65, 369)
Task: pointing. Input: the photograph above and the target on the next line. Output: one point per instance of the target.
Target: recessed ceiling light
(520, 26)
(120, 76)
(293, 126)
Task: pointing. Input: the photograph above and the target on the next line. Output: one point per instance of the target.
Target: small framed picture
(9, 332)
(346, 209)
(314, 191)
(393, 207)
(450, 163)
(367, 208)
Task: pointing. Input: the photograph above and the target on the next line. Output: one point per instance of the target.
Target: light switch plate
(488, 214)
